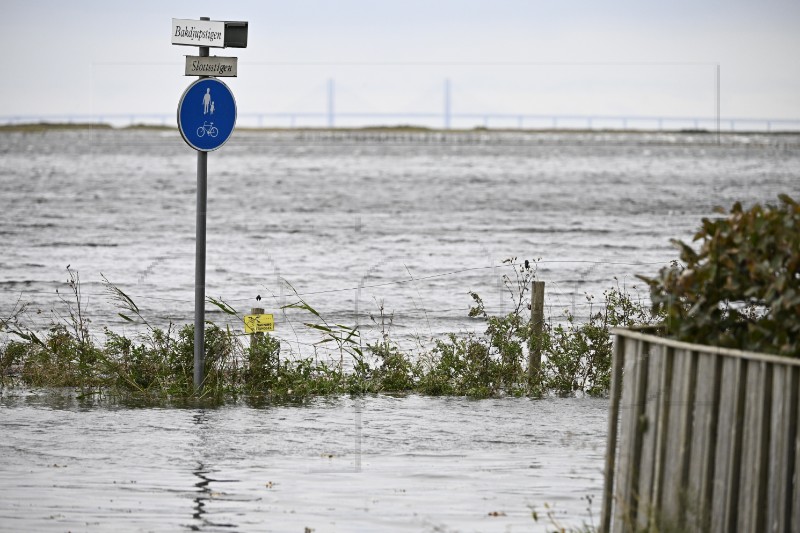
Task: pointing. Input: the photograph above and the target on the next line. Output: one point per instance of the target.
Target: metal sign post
(206, 118)
(200, 263)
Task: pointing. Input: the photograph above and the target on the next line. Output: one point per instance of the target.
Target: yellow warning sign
(258, 323)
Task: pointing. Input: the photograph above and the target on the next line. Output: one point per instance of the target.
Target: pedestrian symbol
(206, 114)
(207, 101)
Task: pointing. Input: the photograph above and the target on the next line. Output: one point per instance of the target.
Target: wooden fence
(701, 439)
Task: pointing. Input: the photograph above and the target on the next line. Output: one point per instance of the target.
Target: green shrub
(578, 355)
(395, 372)
(460, 366)
(61, 360)
(13, 354)
(507, 337)
(132, 366)
(741, 288)
(262, 360)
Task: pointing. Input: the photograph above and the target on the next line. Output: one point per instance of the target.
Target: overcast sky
(504, 56)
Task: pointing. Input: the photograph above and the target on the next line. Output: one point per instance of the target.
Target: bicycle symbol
(209, 128)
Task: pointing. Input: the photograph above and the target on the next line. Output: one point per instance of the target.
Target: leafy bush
(60, 359)
(396, 372)
(741, 288)
(507, 337)
(578, 355)
(262, 362)
(459, 366)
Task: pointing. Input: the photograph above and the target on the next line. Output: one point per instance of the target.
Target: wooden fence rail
(701, 439)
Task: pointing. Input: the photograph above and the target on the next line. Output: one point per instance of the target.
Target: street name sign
(259, 323)
(198, 32)
(206, 114)
(211, 66)
(213, 33)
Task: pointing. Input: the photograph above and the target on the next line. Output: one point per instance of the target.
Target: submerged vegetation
(158, 363)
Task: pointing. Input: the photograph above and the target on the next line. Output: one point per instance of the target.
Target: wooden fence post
(537, 329)
(255, 337)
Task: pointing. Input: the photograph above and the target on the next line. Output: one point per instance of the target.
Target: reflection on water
(377, 463)
(204, 491)
(204, 495)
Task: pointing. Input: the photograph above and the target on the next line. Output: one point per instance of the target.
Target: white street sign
(198, 32)
(220, 67)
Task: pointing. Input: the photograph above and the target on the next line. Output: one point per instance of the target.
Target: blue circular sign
(206, 114)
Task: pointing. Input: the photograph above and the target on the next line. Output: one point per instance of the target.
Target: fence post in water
(254, 338)
(537, 329)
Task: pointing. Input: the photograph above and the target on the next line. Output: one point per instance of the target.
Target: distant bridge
(442, 120)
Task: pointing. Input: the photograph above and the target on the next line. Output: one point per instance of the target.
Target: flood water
(338, 464)
(410, 222)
